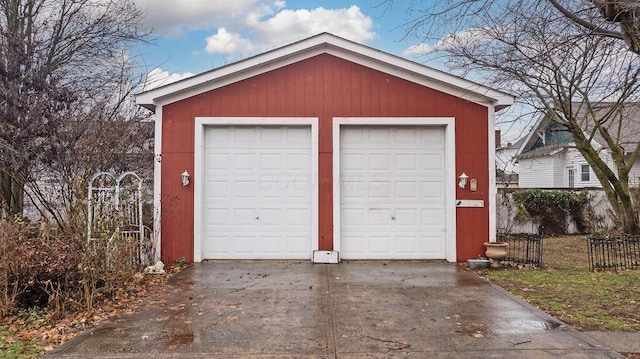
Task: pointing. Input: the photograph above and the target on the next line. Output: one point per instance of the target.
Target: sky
(193, 36)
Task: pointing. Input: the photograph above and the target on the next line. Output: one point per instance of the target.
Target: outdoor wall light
(463, 180)
(185, 178)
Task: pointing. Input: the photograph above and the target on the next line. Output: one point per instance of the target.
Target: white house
(547, 158)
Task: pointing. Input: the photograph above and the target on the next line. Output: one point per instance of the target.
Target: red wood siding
(324, 87)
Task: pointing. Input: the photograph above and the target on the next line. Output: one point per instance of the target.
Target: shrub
(552, 209)
(62, 272)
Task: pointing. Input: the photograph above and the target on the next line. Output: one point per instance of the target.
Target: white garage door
(392, 192)
(257, 192)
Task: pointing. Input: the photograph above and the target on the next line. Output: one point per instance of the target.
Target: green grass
(12, 346)
(568, 290)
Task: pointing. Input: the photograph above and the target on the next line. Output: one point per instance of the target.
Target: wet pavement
(350, 310)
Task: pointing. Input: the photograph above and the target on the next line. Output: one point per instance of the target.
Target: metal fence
(613, 253)
(523, 249)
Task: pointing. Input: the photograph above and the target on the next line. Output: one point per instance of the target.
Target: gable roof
(324, 43)
(628, 120)
(542, 151)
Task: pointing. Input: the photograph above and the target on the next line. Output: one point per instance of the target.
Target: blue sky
(192, 36)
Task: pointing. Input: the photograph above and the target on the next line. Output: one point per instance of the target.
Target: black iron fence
(613, 253)
(523, 249)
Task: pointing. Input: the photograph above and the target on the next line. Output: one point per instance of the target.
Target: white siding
(536, 172)
(553, 171)
(559, 170)
(575, 160)
(634, 174)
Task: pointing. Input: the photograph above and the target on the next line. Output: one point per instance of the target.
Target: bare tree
(112, 134)
(618, 19)
(57, 59)
(624, 12)
(555, 65)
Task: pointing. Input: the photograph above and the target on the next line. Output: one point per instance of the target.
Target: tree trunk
(627, 214)
(11, 195)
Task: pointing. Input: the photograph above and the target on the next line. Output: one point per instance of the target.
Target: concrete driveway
(350, 310)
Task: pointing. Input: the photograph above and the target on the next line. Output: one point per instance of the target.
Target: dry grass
(568, 290)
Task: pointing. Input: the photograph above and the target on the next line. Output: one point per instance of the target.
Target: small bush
(61, 273)
(552, 208)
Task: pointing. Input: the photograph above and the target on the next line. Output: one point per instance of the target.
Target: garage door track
(350, 310)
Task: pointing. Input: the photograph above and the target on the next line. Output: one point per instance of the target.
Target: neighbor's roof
(324, 43)
(542, 151)
(624, 126)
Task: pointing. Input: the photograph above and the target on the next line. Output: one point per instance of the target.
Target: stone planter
(496, 251)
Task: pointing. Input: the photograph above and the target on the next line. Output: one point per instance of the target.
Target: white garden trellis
(115, 214)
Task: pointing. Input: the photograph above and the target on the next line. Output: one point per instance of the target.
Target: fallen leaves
(29, 334)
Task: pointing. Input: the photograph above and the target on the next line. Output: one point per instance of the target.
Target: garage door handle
(257, 218)
(393, 218)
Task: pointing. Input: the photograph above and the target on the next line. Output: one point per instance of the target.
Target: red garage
(324, 146)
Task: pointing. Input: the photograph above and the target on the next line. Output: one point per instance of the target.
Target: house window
(572, 178)
(584, 173)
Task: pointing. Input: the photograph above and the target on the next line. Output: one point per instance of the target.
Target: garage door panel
(433, 189)
(297, 216)
(406, 190)
(433, 243)
(298, 162)
(433, 217)
(379, 162)
(245, 189)
(270, 217)
(243, 244)
(244, 216)
(218, 189)
(406, 135)
(406, 217)
(405, 161)
(379, 190)
(432, 136)
(272, 244)
(298, 137)
(257, 192)
(392, 192)
(355, 216)
(271, 161)
(352, 189)
(379, 217)
(407, 244)
(432, 162)
(380, 245)
(218, 161)
(379, 136)
(216, 216)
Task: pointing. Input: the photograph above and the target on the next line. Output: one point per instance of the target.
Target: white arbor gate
(115, 216)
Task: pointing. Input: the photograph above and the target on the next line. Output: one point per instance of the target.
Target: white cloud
(292, 25)
(459, 39)
(172, 19)
(158, 77)
(243, 27)
(418, 50)
(226, 43)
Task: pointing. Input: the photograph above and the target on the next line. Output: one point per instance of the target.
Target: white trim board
(450, 176)
(202, 122)
(157, 184)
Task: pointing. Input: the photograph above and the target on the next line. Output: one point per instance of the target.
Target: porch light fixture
(463, 180)
(185, 178)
